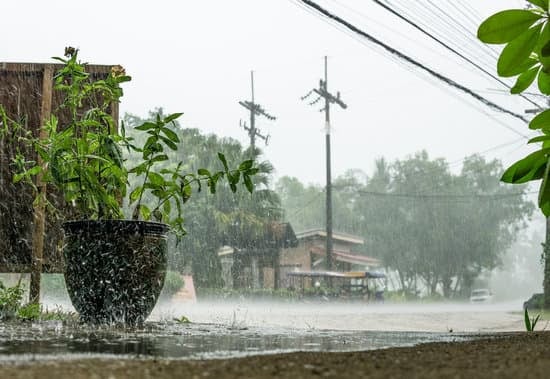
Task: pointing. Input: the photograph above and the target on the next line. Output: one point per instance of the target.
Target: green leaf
(170, 134)
(34, 170)
(541, 120)
(159, 158)
(146, 126)
(139, 169)
(524, 66)
(167, 208)
(544, 191)
(186, 193)
(525, 80)
(234, 177)
(527, 320)
(246, 165)
(18, 177)
(169, 143)
(506, 26)
(204, 172)
(540, 3)
(545, 59)
(172, 117)
(157, 214)
(539, 139)
(156, 179)
(248, 183)
(542, 46)
(544, 82)
(145, 212)
(517, 52)
(531, 167)
(221, 157)
(135, 194)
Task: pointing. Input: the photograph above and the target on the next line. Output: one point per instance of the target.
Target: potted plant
(115, 263)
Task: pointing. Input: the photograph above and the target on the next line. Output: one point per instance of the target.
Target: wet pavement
(51, 340)
(223, 329)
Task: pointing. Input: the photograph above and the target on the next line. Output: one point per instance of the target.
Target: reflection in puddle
(50, 340)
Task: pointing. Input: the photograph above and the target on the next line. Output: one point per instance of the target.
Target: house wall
(300, 258)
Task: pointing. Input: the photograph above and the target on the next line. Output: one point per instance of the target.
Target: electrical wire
(451, 49)
(412, 61)
(440, 196)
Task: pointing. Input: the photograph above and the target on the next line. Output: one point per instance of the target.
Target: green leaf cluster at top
(526, 54)
(82, 154)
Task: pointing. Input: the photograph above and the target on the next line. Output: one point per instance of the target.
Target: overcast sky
(196, 56)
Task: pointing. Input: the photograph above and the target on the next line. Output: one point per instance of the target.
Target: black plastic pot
(115, 269)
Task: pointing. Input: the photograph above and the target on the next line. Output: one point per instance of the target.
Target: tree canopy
(223, 218)
(437, 229)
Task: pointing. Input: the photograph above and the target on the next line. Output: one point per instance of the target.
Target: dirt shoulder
(520, 355)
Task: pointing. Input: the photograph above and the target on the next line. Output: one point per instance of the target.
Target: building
(267, 264)
(257, 264)
(310, 255)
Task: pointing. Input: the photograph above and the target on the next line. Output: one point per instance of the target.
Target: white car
(482, 295)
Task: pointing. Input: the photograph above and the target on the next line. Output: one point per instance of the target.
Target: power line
(450, 48)
(410, 60)
(392, 57)
(431, 19)
(442, 196)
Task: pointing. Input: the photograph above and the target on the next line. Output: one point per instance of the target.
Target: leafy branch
(525, 34)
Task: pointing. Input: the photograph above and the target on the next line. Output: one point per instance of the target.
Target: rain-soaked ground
(225, 329)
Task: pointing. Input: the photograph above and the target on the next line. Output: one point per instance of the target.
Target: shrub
(10, 300)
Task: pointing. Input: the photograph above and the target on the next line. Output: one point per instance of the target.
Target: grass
(530, 322)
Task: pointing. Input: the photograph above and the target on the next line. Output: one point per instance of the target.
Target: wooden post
(277, 269)
(39, 207)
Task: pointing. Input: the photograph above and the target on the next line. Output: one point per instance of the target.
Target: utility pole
(323, 93)
(255, 110)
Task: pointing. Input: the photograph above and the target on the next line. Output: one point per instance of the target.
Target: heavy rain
(287, 189)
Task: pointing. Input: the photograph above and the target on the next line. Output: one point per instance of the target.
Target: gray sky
(196, 57)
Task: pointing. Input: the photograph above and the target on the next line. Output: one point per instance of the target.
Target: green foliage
(12, 307)
(526, 54)
(10, 300)
(57, 313)
(29, 312)
(506, 26)
(530, 323)
(238, 219)
(436, 229)
(83, 157)
(182, 320)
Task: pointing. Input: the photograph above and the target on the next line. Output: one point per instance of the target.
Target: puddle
(51, 341)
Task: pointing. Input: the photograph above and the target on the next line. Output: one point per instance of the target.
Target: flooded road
(406, 317)
(50, 340)
(224, 329)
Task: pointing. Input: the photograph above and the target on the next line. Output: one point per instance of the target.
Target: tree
(213, 220)
(526, 55)
(433, 228)
(304, 205)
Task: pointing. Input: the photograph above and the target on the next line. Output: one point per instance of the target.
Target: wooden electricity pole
(329, 98)
(255, 110)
